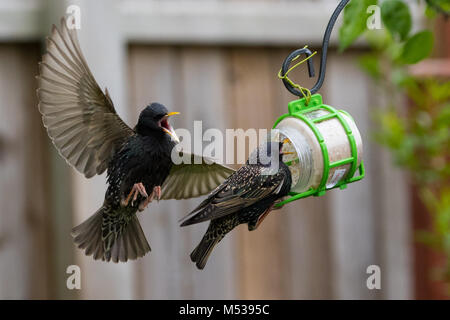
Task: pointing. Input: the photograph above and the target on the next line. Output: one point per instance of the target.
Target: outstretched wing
(193, 180)
(244, 188)
(80, 120)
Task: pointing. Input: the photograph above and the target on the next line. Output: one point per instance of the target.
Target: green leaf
(379, 40)
(396, 17)
(371, 64)
(354, 24)
(401, 78)
(430, 13)
(417, 48)
(394, 50)
(439, 5)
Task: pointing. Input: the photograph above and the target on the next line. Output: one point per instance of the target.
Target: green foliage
(396, 18)
(418, 137)
(371, 64)
(420, 141)
(395, 41)
(355, 19)
(441, 5)
(417, 48)
(439, 239)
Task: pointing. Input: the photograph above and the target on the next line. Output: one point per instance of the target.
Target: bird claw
(138, 188)
(156, 192)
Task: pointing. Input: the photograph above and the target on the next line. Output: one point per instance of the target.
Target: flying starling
(83, 125)
(247, 196)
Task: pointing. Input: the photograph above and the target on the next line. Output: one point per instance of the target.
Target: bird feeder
(323, 144)
(325, 147)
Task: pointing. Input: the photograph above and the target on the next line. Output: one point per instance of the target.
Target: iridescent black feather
(142, 158)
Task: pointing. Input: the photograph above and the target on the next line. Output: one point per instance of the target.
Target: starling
(83, 125)
(247, 196)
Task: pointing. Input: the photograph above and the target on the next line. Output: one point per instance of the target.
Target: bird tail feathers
(128, 243)
(202, 252)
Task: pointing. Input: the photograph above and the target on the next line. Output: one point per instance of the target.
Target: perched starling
(83, 125)
(247, 196)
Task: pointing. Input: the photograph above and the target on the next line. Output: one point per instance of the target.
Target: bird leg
(138, 188)
(156, 192)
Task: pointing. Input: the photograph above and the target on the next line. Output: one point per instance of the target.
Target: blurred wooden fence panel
(259, 255)
(353, 228)
(307, 245)
(25, 268)
(369, 221)
(203, 79)
(104, 49)
(190, 81)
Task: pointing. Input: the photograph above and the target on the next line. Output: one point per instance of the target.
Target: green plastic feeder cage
(326, 148)
(324, 144)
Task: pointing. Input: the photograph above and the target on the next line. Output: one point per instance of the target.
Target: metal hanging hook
(285, 69)
(323, 58)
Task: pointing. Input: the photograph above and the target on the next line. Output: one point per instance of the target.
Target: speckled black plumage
(144, 157)
(245, 197)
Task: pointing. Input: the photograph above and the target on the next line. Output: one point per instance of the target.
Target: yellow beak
(171, 131)
(287, 152)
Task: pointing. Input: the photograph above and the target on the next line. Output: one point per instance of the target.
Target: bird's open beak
(168, 128)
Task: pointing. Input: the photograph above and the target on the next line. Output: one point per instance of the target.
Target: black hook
(323, 58)
(285, 67)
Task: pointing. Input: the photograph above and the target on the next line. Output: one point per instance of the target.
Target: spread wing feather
(80, 119)
(194, 179)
